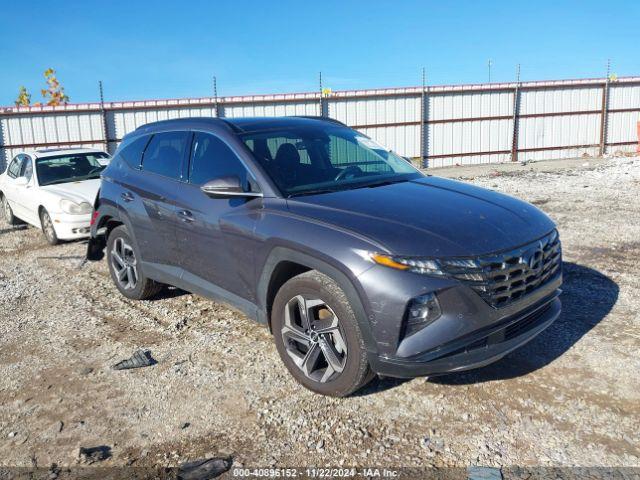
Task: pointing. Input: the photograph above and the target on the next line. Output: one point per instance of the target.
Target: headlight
(418, 265)
(73, 208)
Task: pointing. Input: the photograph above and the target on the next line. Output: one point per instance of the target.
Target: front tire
(318, 337)
(48, 229)
(124, 266)
(7, 212)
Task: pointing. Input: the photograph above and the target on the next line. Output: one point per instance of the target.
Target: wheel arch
(284, 263)
(108, 219)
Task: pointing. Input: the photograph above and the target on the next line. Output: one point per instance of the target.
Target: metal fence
(442, 125)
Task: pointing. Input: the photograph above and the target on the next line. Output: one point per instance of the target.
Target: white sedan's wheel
(7, 212)
(48, 229)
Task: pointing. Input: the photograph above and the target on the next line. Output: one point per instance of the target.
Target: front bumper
(477, 349)
(71, 227)
(469, 333)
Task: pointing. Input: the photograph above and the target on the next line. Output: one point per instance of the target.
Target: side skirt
(192, 283)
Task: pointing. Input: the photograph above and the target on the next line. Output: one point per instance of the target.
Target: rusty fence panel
(442, 125)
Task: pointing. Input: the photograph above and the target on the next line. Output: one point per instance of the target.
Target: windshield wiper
(381, 183)
(312, 192)
(56, 182)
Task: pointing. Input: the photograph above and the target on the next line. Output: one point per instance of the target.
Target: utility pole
(489, 65)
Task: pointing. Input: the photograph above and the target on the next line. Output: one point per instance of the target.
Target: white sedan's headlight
(73, 208)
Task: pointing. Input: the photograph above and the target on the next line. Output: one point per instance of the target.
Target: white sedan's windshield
(69, 168)
(315, 159)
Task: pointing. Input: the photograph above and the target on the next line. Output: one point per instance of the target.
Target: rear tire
(48, 229)
(124, 266)
(7, 212)
(324, 350)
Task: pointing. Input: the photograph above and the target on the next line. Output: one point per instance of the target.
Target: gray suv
(357, 262)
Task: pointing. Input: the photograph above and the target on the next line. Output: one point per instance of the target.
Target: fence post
(321, 103)
(604, 114)
(103, 111)
(3, 150)
(215, 96)
(423, 160)
(516, 117)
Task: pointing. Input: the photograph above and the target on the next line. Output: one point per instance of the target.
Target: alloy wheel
(124, 263)
(314, 339)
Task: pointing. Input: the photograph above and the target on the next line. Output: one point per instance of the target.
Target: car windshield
(319, 159)
(70, 168)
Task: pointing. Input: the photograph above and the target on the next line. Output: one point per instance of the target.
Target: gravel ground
(569, 398)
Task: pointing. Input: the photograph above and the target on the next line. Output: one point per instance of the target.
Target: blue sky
(166, 49)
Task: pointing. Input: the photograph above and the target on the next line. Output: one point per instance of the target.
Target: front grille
(508, 276)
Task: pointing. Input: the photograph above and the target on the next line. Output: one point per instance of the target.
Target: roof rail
(317, 117)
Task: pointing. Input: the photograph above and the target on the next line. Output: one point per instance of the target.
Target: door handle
(186, 216)
(126, 196)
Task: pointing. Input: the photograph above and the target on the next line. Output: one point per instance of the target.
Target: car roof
(248, 124)
(238, 125)
(54, 152)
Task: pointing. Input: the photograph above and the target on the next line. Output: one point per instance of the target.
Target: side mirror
(21, 182)
(227, 187)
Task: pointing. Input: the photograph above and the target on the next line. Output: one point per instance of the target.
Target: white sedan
(53, 190)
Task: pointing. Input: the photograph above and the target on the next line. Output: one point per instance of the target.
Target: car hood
(83, 191)
(429, 216)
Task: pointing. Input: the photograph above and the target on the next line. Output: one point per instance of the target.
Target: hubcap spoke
(331, 355)
(118, 259)
(310, 359)
(295, 335)
(304, 312)
(131, 281)
(122, 273)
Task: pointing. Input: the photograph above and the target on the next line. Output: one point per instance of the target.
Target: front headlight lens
(73, 208)
(418, 265)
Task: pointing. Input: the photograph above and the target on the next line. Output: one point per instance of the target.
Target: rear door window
(165, 152)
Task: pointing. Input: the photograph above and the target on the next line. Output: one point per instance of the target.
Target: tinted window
(321, 158)
(132, 151)
(14, 167)
(212, 158)
(164, 153)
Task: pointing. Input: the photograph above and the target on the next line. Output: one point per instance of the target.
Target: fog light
(422, 311)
